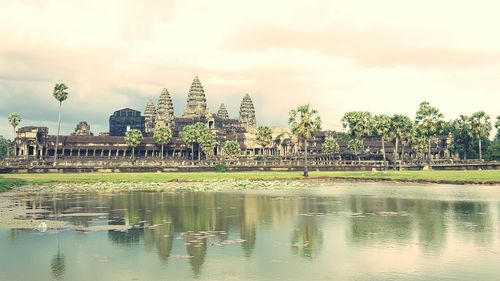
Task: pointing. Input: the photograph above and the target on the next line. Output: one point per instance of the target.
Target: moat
(346, 231)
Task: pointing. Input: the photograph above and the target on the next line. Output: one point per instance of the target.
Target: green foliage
(400, 127)
(162, 135)
(428, 120)
(189, 135)
(419, 145)
(480, 128)
(461, 133)
(258, 158)
(359, 123)
(381, 125)
(232, 149)
(264, 136)
(493, 151)
(14, 119)
(207, 141)
(497, 126)
(60, 93)
(220, 168)
(355, 146)
(4, 143)
(480, 125)
(133, 138)
(304, 121)
(343, 136)
(330, 145)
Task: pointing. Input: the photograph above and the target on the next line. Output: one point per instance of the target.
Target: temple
(36, 143)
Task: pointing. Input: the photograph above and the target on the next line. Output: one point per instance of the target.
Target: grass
(482, 177)
(8, 183)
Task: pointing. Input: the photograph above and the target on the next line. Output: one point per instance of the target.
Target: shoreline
(41, 182)
(217, 185)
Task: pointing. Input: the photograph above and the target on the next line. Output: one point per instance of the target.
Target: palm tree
(481, 127)
(207, 142)
(304, 122)
(14, 120)
(264, 136)
(133, 138)
(381, 126)
(189, 136)
(428, 121)
(60, 95)
(462, 134)
(400, 127)
(359, 124)
(200, 129)
(162, 136)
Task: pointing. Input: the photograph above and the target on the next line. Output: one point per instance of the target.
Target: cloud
(336, 55)
(370, 47)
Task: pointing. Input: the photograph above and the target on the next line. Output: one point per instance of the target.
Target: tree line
(469, 133)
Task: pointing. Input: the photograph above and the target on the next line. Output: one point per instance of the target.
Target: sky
(383, 56)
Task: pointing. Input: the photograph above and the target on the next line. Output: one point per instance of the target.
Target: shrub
(220, 168)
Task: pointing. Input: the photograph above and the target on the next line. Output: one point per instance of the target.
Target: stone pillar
(102, 152)
(78, 153)
(86, 152)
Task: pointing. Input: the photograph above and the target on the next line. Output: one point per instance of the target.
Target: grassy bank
(459, 177)
(8, 183)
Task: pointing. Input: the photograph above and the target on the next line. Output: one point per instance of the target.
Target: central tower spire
(196, 101)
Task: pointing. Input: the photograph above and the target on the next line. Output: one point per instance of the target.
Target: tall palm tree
(14, 120)
(381, 127)
(264, 136)
(207, 142)
(401, 128)
(133, 138)
(481, 127)
(359, 124)
(428, 121)
(60, 95)
(162, 136)
(304, 122)
(189, 136)
(200, 130)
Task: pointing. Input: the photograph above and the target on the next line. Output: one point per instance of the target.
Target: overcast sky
(384, 56)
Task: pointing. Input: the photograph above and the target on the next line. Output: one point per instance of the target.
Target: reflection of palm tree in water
(58, 264)
(307, 237)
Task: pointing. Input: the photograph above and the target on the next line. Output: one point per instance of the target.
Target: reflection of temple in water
(189, 225)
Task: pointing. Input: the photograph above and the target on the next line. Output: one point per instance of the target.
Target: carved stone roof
(150, 117)
(222, 113)
(165, 110)
(82, 129)
(247, 111)
(196, 101)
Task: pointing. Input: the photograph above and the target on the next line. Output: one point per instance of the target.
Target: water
(343, 232)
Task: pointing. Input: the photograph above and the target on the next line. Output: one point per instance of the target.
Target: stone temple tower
(149, 117)
(222, 113)
(247, 112)
(165, 110)
(196, 101)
